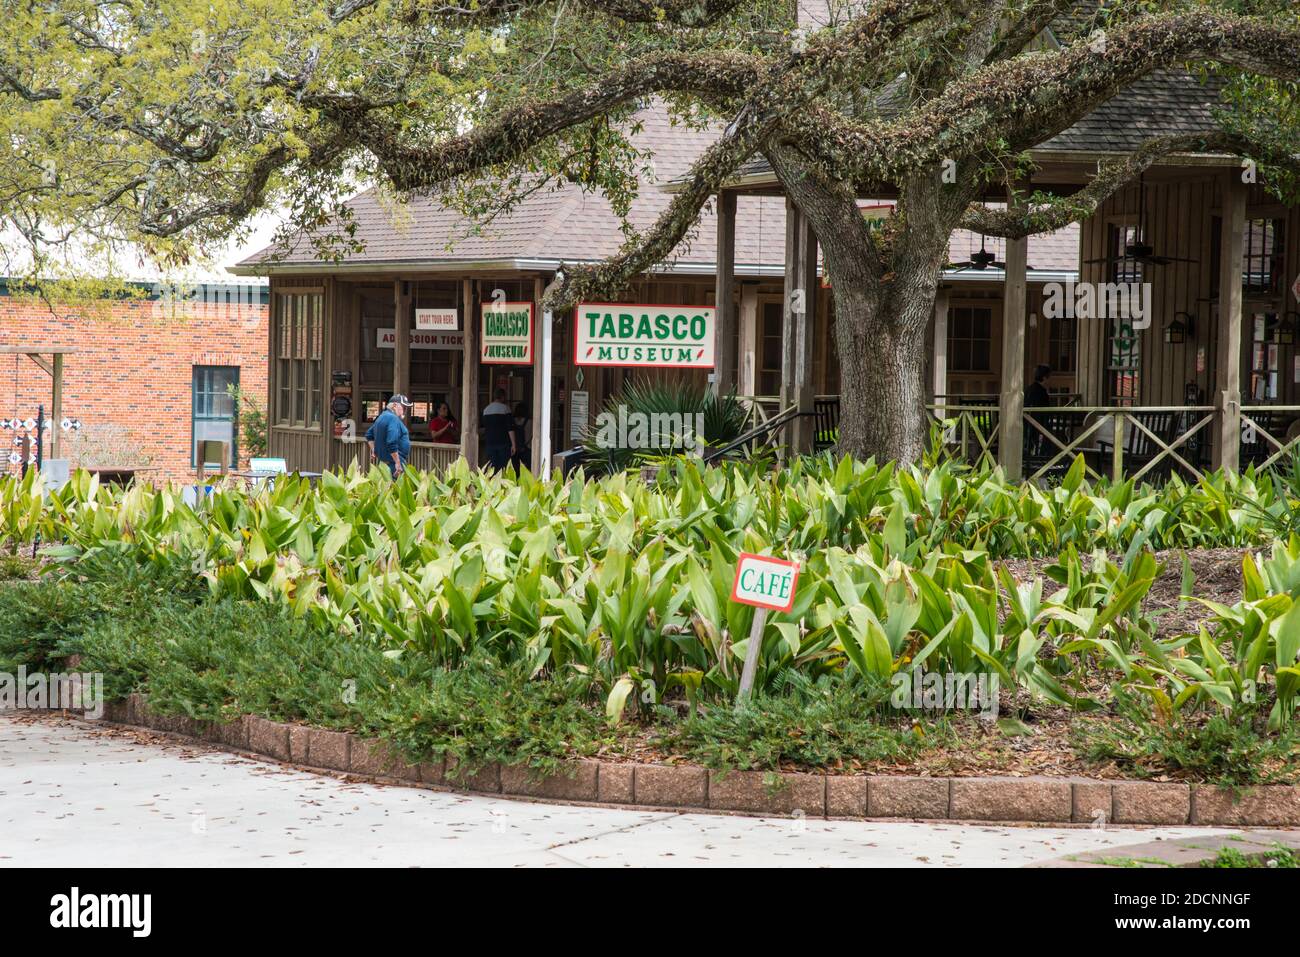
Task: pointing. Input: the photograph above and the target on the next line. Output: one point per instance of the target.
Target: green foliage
(1222, 749)
(253, 430)
(668, 410)
(826, 724)
(629, 584)
(1280, 856)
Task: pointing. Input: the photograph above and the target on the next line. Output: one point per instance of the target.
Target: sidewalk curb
(660, 787)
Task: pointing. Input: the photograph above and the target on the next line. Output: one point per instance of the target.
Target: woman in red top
(443, 427)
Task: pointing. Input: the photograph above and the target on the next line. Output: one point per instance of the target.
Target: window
(1264, 360)
(970, 338)
(1062, 344)
(1125, 342)
(769, 349)
(1263, 256)
(299, 347)
(214, 417)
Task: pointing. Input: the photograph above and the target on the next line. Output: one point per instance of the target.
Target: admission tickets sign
(765, 582)
(623, 334)
(507, 333)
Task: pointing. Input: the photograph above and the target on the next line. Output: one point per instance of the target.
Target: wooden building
(345, 336)
(1202, 370)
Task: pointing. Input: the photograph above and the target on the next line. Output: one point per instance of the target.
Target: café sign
(765, 582)
(622, 334)
(507, 333)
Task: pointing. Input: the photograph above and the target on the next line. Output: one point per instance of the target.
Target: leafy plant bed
(501, 620)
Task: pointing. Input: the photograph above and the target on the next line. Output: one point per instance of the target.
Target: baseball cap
(401, 400)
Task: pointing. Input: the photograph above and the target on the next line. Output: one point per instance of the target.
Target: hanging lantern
(1178, 330)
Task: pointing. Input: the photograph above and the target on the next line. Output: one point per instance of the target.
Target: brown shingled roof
(568, 225)
(565, 224)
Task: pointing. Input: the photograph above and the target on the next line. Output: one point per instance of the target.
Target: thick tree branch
(1034, 18)
(1025, 101)
(1056, 213)
(516, 131)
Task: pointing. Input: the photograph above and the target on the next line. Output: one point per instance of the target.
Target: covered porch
(1199, 372)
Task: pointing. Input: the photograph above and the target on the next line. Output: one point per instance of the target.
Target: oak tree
(169, 123)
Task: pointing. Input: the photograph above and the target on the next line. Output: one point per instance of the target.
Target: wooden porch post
(939, 373)
(1228, 371)
(724, 361)
(56, 407)
(747, 373)
(1011, 408)
(469, 375)
(402, 347)
(541, 376)
(797, 324)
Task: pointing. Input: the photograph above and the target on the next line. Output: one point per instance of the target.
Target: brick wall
(130, 381)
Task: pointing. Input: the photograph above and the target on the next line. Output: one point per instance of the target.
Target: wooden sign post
(768, 584)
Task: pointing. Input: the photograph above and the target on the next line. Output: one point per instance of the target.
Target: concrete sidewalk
(75, 794)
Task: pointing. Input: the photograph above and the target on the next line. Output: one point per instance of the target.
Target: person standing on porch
(498, 432)
(388, 437)
(1036, 394)
(1037, 397)
(443, 427)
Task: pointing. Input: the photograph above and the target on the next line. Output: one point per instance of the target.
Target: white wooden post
(1228, 371)
(1012, 405)
(939, 374)
(751, 655)
(747, 374)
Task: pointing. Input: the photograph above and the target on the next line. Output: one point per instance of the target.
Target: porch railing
(970, 428)
(424, 455)
(1268, 432)
(1124, 441)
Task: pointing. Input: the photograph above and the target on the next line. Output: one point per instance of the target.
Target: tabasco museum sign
(507, 333)
(619, 334)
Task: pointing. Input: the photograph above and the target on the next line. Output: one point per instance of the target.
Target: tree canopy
(169, 123)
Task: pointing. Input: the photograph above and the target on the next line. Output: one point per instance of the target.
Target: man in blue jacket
(388, 437)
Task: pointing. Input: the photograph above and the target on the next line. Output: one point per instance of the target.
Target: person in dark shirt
(498, 432)
(1036, 394)
(522, 457)
(1036, 397)
(388, 437)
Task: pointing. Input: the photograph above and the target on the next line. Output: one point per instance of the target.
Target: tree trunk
(882, 374)
(884, 284)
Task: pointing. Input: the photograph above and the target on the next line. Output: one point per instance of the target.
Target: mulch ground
(1217, 574)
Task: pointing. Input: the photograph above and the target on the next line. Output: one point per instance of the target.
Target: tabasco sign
(620, 334)
(507, 333)
(765, 582)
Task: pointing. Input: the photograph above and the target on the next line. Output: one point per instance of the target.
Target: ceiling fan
(1140, 250)
(981, 261)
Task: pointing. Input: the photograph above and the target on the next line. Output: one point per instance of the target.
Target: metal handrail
(765, 428)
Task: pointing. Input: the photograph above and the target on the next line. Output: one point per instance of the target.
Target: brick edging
(1035, 800)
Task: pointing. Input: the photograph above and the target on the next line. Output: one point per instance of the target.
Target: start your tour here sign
(620, 334)
(507, 333)
(765, 582)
